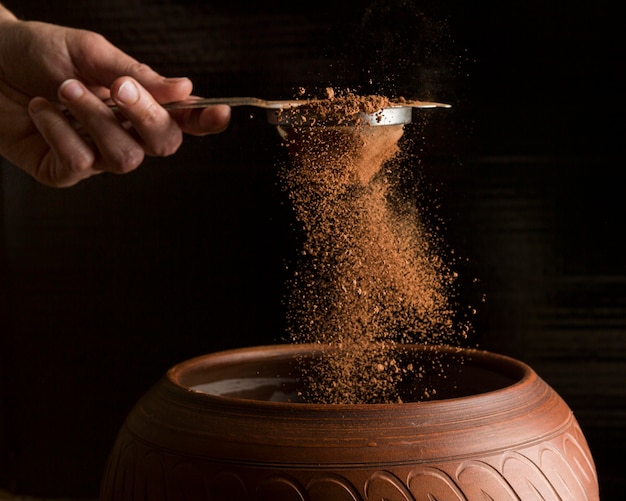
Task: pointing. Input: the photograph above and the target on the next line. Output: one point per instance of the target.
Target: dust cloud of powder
(369, 275)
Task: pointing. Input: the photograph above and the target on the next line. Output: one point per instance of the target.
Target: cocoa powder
(369, 276)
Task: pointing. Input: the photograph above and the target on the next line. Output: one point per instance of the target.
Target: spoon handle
(195, 102)
(204, 102)
(199, 102)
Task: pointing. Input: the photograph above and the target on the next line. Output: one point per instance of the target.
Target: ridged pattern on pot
(518, 440)
(557, 467)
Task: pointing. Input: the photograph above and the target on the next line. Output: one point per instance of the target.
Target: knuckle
(126, 160)
(171, 146)
(90, 43)
(79, 163)
(138, 68)
(66, 172)
(152, 115)
(168, 146)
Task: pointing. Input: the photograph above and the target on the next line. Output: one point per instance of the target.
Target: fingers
(149, 119)
(160, 134)
(214, 120)
(63, 158)
(201, 122)
(115, 149)
(95, 138)
(89, 141)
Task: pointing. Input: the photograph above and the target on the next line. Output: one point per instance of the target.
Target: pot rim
(173, 415)
(519, 372)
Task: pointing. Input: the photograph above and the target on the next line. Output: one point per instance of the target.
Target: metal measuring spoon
(296, 112)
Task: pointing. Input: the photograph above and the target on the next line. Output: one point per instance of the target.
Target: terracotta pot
(214, 428)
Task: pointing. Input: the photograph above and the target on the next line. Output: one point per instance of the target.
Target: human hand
(47, 71)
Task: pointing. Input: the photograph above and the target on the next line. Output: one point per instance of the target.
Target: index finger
(201, 122)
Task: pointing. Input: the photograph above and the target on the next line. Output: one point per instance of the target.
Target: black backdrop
(106, 285)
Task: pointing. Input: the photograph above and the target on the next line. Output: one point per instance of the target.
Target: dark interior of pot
(435, 373)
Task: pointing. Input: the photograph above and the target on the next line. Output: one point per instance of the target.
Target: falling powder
(369, 276)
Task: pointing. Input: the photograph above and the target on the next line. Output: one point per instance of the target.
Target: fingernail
(37, 104)
(71, 90)
(128, 93)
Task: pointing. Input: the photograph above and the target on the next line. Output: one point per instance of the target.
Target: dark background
(106, 285)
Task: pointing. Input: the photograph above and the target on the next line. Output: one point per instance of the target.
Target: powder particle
(369, 276)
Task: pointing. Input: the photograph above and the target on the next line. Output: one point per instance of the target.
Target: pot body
(203, 432)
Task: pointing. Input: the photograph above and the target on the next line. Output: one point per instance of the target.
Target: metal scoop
(286, 112)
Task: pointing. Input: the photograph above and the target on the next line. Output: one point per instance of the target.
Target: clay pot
(221, 427)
